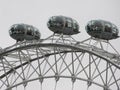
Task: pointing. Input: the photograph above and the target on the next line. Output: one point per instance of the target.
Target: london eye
(93, 61)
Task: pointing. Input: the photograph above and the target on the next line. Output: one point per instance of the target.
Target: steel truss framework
(60, 56)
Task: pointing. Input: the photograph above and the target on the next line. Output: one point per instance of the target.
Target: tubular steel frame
(60, 56)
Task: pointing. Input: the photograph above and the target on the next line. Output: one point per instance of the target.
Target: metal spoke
(60, 56)
(83, 68)
(98, 71)
(114, 78)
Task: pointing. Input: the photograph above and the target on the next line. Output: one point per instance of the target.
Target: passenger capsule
(63, 25)
(102, 29)
(22, 32)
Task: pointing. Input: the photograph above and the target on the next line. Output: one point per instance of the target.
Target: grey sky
(37, 13)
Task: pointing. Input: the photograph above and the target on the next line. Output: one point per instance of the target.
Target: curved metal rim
(17, 67)
(78, 48)
(75, 48)
(53, 76)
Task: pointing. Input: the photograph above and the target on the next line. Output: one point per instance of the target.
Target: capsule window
(53, 18)
(12, 29)
(117, 31)
(21, 31)
(87, 28)
(69, 23)
(36, 33)
(92, 26)
(90, 23)
(74, 26)
(114, 29)
(15, 26)
(29, 31)
(96, 26)
(108, 28)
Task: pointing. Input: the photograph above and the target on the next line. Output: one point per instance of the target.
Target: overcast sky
(37, 13)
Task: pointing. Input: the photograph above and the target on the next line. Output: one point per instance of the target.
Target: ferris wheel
(91, 63)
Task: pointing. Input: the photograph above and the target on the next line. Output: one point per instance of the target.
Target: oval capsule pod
(102, 29)
(63, 25)
(22, 32)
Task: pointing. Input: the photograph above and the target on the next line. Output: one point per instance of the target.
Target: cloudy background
(37, 13)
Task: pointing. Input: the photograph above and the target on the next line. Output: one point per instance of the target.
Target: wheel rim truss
(49, 60)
